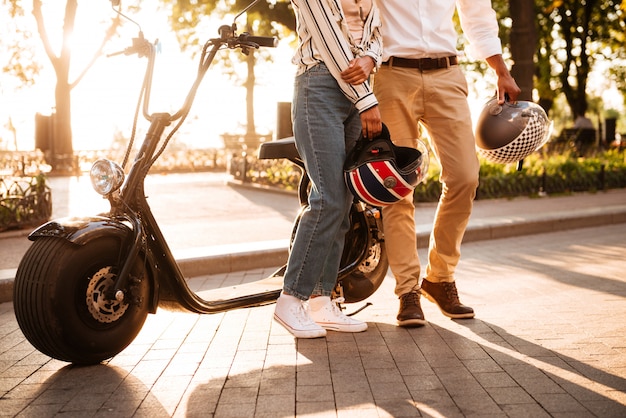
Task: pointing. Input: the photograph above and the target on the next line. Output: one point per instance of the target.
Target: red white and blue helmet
(509, 132)
(380, 173)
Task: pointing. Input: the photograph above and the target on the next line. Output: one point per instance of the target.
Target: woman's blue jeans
(325, 125)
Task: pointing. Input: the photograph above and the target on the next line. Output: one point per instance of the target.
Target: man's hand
(506, 82)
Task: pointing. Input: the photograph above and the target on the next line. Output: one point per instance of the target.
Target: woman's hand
(370, 122)
(358, 71)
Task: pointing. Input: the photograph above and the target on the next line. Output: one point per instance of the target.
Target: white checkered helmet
(509, 132)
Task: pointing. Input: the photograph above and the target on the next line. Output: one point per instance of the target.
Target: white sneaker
(328, 314)
(291, 314)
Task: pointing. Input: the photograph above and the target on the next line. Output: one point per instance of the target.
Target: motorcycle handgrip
(264, 41)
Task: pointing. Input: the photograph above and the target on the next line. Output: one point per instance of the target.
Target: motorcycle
(86, 285)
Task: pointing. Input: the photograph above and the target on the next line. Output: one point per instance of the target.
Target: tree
(523, 40)
(17, 53)
(61, 140)
(573, 35)
(20, 61)
(268, 18)
(62, 148)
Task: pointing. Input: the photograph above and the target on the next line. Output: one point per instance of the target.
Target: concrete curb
(241, 257)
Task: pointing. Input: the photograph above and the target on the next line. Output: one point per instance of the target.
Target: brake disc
(103, 309)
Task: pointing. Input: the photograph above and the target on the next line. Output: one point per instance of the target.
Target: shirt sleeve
(480, 24)
(374, 44)
(323, 20)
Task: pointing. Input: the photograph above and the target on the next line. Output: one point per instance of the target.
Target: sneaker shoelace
(336, 310)
(300, 313)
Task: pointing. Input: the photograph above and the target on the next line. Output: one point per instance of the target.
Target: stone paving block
(417, 383)
(477, 404)
(315, 409)
(510, 395)
(560, 403)
(235, 410)
(314, 377)
(354, 399)
(385, 391)
(364, 412)
(494, 379)
(436, 403)
(281, 386)
(275, 406)
(606, 408)
(394, 408)
(349, 381)
(319, 393)
(383, 375)
(419, 368)
(525, 411)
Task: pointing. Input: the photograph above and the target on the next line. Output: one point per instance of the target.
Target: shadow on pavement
(489, 373)
(101, 390)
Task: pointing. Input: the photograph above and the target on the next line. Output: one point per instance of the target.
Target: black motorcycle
(85, 286)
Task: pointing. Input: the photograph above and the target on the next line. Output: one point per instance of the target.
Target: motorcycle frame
(84, 288)
(131, 220)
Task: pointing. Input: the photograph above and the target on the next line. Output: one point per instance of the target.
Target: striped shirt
(324, 37)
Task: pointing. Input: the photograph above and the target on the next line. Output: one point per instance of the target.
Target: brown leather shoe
(410, 314)
(445, 295)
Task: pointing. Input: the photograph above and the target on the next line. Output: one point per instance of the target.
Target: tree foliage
(18, 51)
(60, 57)
(188, 18)
(573, 36)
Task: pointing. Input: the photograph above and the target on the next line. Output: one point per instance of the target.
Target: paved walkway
(549, 339)
(545, 276)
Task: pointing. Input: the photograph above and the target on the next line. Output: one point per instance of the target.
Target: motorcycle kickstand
(338, 294)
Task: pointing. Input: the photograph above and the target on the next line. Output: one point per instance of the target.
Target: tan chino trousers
(436, 99)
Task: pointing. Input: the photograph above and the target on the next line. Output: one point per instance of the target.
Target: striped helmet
(380, 173)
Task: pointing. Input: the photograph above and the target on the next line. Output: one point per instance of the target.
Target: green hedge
(556, 174)
(24, 201)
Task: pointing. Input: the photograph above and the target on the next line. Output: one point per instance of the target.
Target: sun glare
(103, 102)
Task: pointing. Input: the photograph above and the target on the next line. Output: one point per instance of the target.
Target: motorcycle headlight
(106, 176)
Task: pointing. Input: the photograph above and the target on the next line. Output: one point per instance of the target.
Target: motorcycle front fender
(83, 230)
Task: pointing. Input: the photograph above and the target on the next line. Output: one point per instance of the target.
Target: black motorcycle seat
(280, 148)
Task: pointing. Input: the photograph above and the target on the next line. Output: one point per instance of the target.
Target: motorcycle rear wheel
(360, 282)
(364, 264)
(60, 301)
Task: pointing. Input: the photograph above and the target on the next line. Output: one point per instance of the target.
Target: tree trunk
(523, 45)
(62, 148)
(250, 82)
(576, 21)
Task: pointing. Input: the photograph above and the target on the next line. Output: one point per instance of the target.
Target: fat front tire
(61, 304)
